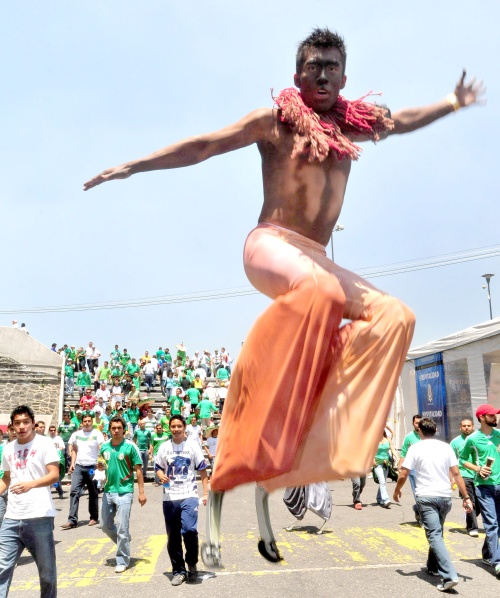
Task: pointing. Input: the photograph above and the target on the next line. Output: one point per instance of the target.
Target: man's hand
(397, 495)
(117, 172)
(142, 499)
(484, 472)
(21, 487)
(470, 93)
(204, 499)
(71, 468)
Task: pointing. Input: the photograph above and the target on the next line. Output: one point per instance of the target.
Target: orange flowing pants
(309, 399)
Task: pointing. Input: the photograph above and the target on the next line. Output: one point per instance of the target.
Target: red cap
(486, 409)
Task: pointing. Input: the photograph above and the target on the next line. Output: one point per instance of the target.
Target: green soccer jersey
(411, 438)
(133, 415)
(83, 379)
(194, 395)
(165, 424)
(176, 405)
(477, 448)
(206, 407)
(157, 440)
(143, 439)
(69, 372)
(121, 461)
(1, 454)
(457, 444)
(125, 358)
(132, 368)
(104, 373)
(65, 430)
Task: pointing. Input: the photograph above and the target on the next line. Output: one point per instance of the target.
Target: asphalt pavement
(369, 553)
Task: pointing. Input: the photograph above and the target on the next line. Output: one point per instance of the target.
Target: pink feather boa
(318, 134)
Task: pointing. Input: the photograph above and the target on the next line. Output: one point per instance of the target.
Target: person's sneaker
(387, 504)
(447, 585)
(178, 579)
(68, 525)
(93, 522)
(486, 562)
(497, 571)
(120, 568)
(474, 533)
(358, 506)
(433, 573)
(192, 573)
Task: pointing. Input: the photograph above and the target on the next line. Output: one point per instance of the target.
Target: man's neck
(116, 442)
(485, 429)
(27, 439)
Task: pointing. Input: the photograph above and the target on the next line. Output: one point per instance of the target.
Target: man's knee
(397, 314)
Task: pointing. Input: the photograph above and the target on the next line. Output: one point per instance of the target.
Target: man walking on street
(410, 439)
(481, 455)
(457, 444)
(434, 464)
(122, 459)
(31, 466)
(85, 446)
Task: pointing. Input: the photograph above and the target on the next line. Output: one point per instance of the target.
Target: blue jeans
(145, 462)
(115, 518)
(357, 488)
(37, 535)
(181, 519)
(382, 494)
(412, 477)
(433, 511)
(80, 478)
(3, 505)
(489, 501)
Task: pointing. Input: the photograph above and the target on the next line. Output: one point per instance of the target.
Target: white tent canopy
(470, 362)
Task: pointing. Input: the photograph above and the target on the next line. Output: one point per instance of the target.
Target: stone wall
(22, 385)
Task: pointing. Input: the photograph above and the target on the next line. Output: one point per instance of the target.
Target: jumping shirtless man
(303, 386)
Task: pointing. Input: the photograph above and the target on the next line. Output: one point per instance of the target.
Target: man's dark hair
(418, 416)
(428, 427)
(467, 419)
(179, 417)
(22, 410)
(117, 419)
(320, 38)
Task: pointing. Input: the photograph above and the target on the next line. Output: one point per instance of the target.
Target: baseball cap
(486, 409)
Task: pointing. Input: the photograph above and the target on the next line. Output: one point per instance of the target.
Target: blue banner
(431, 391)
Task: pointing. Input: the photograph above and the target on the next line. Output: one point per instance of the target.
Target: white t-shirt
(431, 459)
(58, 442)
(87, 444)
(27, 462)
(105, 394)
(194, 432)
(212, 445)
(179, 462)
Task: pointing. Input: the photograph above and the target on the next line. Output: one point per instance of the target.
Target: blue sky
(88, 85)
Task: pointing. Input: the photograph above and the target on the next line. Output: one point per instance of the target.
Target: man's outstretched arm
(465, 94)
(256, 126)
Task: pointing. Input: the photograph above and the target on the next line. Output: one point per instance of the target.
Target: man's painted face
(321, 78)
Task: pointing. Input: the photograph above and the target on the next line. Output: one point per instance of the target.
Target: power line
(243, 291)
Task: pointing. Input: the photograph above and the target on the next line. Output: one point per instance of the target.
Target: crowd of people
(107, 462)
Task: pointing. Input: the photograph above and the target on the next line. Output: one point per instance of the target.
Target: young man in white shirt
(31, 466)
(176, 463)
(85, 446)
(434, 464)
